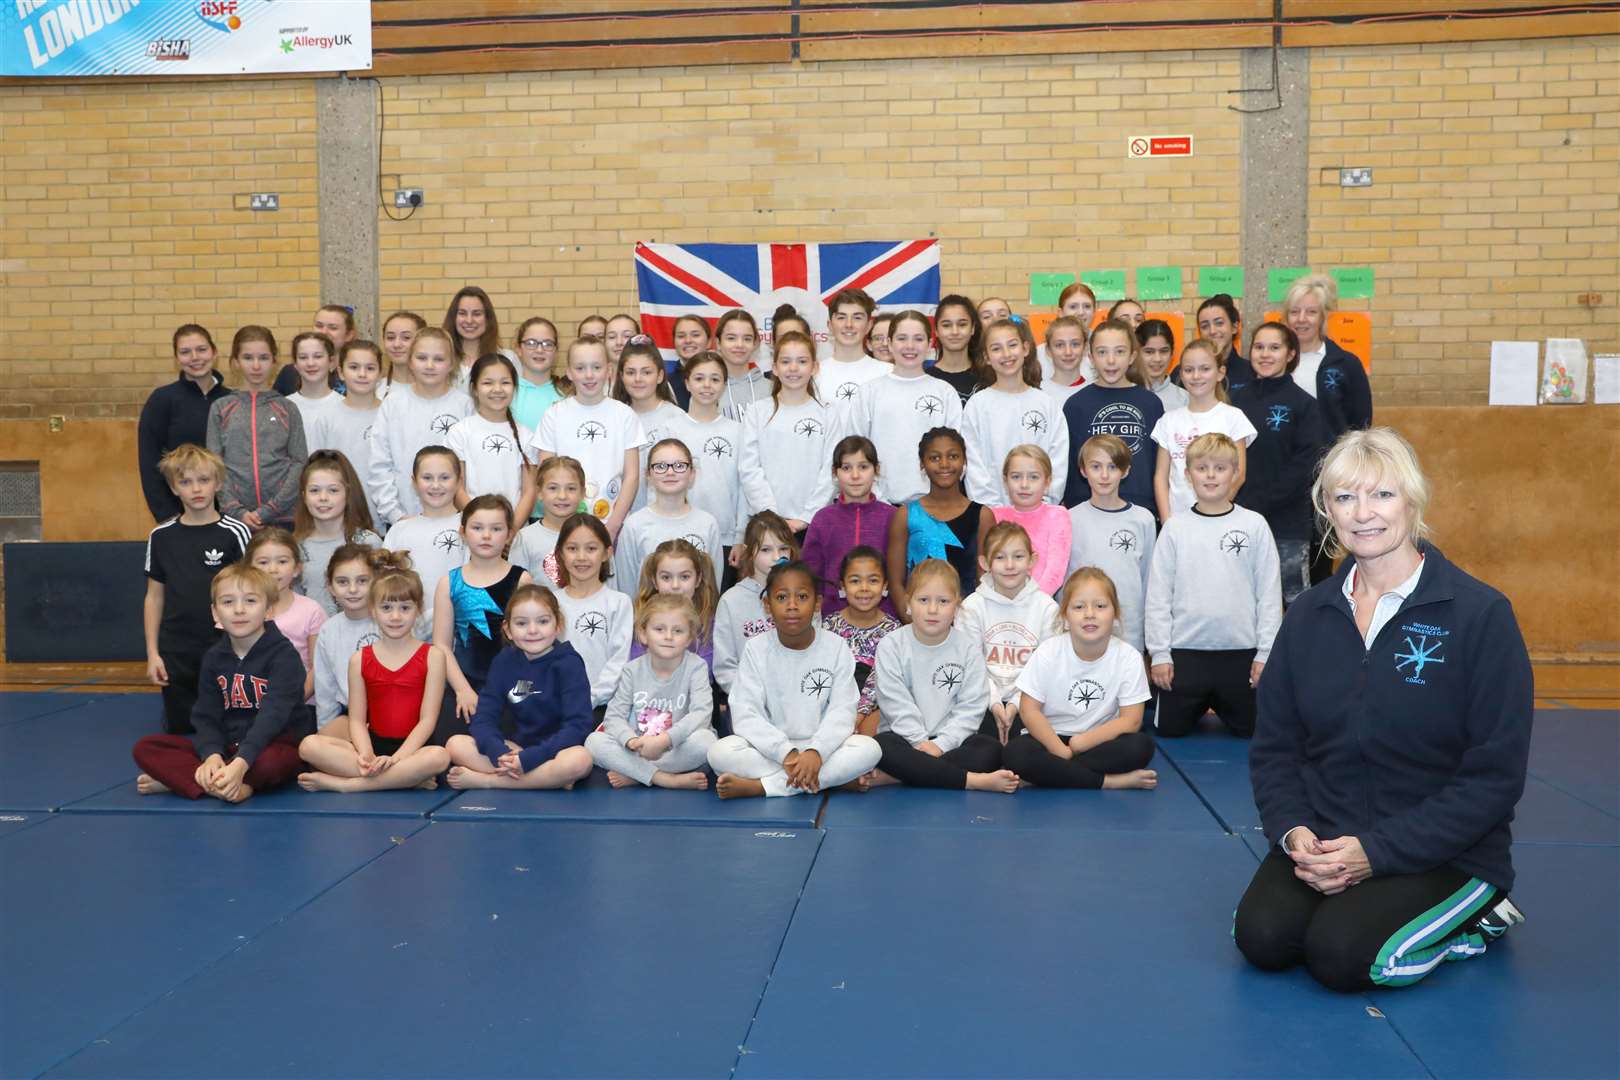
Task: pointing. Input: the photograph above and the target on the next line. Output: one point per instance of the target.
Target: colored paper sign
(1350, 331)
(1044, 289)
(1158, 283)
(1146, 146)
(1355, 282)
(1107, 284)
(1278, 278)
(1221, 279)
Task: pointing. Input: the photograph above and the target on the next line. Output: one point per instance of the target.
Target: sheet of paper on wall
(1513, 372)
(1606, 379)
(1563, 382)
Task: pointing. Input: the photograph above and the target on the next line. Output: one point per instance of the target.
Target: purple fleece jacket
(836, 529)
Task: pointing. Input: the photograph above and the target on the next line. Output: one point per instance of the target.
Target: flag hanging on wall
(710, 279)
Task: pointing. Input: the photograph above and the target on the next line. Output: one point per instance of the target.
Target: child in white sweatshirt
(741, 614)
(597, 620)
(412, 416)
(786, 463)
(1114, 535)
(1214, 599)
(793, 709)
(932, 693)
(1009, 616)
(1010, 411)
(898, 408)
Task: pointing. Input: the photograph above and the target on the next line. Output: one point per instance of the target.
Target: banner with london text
(182, 37)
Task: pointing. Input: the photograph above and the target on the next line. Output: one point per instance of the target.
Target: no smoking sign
(1152, 146)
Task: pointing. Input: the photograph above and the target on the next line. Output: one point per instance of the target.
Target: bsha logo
(1085, 693)
(1277, 417)
(211, 557)
(1235, 543)
(929, 405)
(948, 677)
(815, 681)
(169, 48)
(1034, 422)
(1423, 644)
(220, 14)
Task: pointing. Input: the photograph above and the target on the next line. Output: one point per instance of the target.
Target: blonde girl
(677, 567)
(332, 513)
(492, 446)
(787, 442)
(1011, 409)
(604, 435)
(1207, 411)
(411, 418)
(560, 484)
(1027, 477)
(432, 537)
(1008, 615)
(274, 551)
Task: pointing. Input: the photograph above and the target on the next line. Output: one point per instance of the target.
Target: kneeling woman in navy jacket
(1393, 734)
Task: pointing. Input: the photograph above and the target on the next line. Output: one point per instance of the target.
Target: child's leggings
(907, 764)
(683, 758)
(1025, 756)
(172, 761)
(858, 755)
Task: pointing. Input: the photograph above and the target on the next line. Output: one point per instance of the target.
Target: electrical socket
(407, 198)
(264, 200)
(1355, 178)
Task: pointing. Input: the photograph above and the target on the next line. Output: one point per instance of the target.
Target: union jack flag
(710, 279)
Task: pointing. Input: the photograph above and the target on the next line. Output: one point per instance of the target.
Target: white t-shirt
(663, 422)
(1076, 695)
(1178, 428)
(838, 381)
(435, 547)
(597, 436)
(1309, 364)
(489, 456)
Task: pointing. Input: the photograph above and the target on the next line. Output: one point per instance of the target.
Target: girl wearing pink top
(1026, 474)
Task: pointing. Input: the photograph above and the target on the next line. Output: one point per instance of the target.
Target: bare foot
(738, 787)
(148, 786)
(860, 785)
(430, 784)
(682, 781)
(1004, 780)
(1146, 779)
(243, 794)
(878, 778)
(618, 779)
(462, 778)
(319, 781)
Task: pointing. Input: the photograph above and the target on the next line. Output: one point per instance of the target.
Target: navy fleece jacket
(1343, 390)
(175, 414)
(1417, 746)
(1282, 458)
(548, 699)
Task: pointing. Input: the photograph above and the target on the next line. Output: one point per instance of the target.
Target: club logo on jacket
(591, 622)
(496, 444)
(214, 557)
(590, 431)
(1034, 422)
(448, 540)
(440, 425)
(1235, 542)
(718, 446)
(242, 691)
(1332, 379)
(1423, 643)
(1122, 540)
(1085, 693)
(948, 677)
(808, 427)
(815, 681)
(929, 405)
(1278, 416)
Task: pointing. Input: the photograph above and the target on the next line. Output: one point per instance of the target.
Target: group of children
(507, 567)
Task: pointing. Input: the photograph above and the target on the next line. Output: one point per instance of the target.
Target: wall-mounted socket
(264, 200)
(1590, 299)
(1355, 178)
(56, 423)
(407, 198)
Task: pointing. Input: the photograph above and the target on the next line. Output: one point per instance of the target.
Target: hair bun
(384, 561)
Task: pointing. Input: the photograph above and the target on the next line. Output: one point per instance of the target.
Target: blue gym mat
(1543, 1001)
(18, 705)
(105, 915)
(124, 799)
(599, 802)
(1172, 807)
(502, 949)
(1108, 955)
(1578, 752)
(11, 823)
(50, 760)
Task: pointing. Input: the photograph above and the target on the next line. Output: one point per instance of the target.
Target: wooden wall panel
(89, 486)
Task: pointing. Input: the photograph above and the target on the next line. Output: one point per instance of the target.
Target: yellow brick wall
(1496, 200)
(538, 185)
(116, 226)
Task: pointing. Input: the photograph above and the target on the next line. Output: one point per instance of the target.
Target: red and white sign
(1146, 146)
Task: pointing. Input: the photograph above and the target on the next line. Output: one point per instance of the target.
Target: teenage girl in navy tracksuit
(1391, 747)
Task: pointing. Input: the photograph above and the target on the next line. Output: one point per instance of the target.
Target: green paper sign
(1278, 278)
(1107, 284)
(1044, 289)
(1220, 279)
(1355, 282)
(1158, 283)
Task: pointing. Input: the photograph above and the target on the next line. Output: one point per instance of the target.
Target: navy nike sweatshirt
(548, 699)
(1418, 745)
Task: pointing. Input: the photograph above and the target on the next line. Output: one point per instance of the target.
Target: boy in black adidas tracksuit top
(1416, 745)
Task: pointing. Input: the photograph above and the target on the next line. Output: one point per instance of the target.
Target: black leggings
(1025, 756)
(1384, 931)
(911, 766)
(1207, 679)
(180, 696)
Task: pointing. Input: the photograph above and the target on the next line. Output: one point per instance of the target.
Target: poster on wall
(182, 37)
(710, 279)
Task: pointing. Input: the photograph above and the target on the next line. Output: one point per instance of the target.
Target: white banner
(183, 37)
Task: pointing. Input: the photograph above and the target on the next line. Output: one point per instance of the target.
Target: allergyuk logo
(299, 37)
(220, 14)
(1424, 643)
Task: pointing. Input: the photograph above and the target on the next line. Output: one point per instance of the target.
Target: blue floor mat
(1109, 955)
(601, 803)
(124, 799)
(1172, 807)
(18, 705)
(51, 760)
(500, 949)
(1578, 752)
(1543, 1001)
(12, 823)
(103, 916)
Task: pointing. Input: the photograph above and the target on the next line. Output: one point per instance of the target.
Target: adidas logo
(213, 558)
